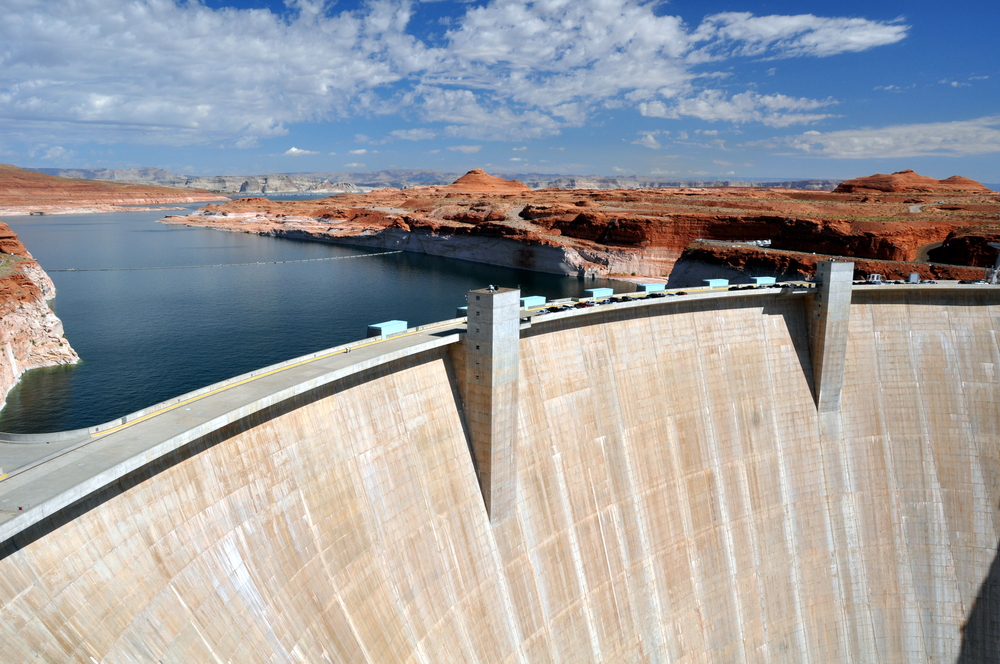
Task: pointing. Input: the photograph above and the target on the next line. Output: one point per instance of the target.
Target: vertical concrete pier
(828, 331)
(492, 356)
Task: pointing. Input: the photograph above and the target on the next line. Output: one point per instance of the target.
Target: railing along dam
(792, 475)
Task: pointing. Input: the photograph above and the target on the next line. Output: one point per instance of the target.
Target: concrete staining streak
(679, 499)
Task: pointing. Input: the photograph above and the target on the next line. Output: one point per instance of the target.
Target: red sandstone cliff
(31, 335)
(478, 180)
(613, 232)
(23, 191)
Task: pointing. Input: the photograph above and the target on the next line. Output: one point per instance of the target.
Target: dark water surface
(145, 336)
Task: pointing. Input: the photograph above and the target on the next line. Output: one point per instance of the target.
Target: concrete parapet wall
(679, 500)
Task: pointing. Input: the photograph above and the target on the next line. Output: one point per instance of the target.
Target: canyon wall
(678, 500)
(31, 335)
(644, 233)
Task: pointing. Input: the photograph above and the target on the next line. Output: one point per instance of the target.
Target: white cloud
(57, 152)
(955, 139)
(358, 151)
(171, 72)
(713, 105)
(520, 149)
(648, 139)
(159, 71)
(743, 34)
(296, 152)
(467, 149)
(416, 134)
(354, 164)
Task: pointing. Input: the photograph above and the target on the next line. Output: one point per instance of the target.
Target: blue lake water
(145, 336)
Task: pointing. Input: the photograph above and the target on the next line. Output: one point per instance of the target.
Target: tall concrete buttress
(828, 326)
(492, 357)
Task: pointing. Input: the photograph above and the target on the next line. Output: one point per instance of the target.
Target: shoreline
(98, 208)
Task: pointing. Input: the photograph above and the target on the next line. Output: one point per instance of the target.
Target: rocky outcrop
(909, 182)
(609, 232)
(969, 245)
(539, 181)
(479, 181)
(269, 184)
(703, 260)
(23, 192)
(31, 335)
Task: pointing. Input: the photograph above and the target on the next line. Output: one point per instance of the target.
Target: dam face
(679, 498)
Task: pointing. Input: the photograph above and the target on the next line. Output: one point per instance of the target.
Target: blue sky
(676, 89)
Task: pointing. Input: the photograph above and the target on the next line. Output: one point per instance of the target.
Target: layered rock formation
(23, 192)
(479, 181)
(969, 244)
(226, 184)
(620, 232)
(31, 336)
(401, 178)
(902, 182)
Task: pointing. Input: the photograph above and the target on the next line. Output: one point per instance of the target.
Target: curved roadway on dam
(679, 498)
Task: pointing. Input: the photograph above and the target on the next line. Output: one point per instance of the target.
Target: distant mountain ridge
(359, 181)
(280, 183)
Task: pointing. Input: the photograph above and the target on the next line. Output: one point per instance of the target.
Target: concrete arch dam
(686, 479)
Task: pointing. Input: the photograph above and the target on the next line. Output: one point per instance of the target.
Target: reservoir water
(148, 335)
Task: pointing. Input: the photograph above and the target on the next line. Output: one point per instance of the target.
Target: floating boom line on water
(188, 267)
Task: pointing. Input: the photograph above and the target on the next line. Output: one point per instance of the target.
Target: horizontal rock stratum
(679, 498)
(23, 191)
(644, 233)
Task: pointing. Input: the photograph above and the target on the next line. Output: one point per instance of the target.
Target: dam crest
(768, 475)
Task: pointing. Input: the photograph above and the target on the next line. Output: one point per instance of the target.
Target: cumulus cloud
(54, 152)
(956, 139)
(179, 72)
(648, 139)
(358, 151)
(467, 149)
(354, 164)
(296, 152)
